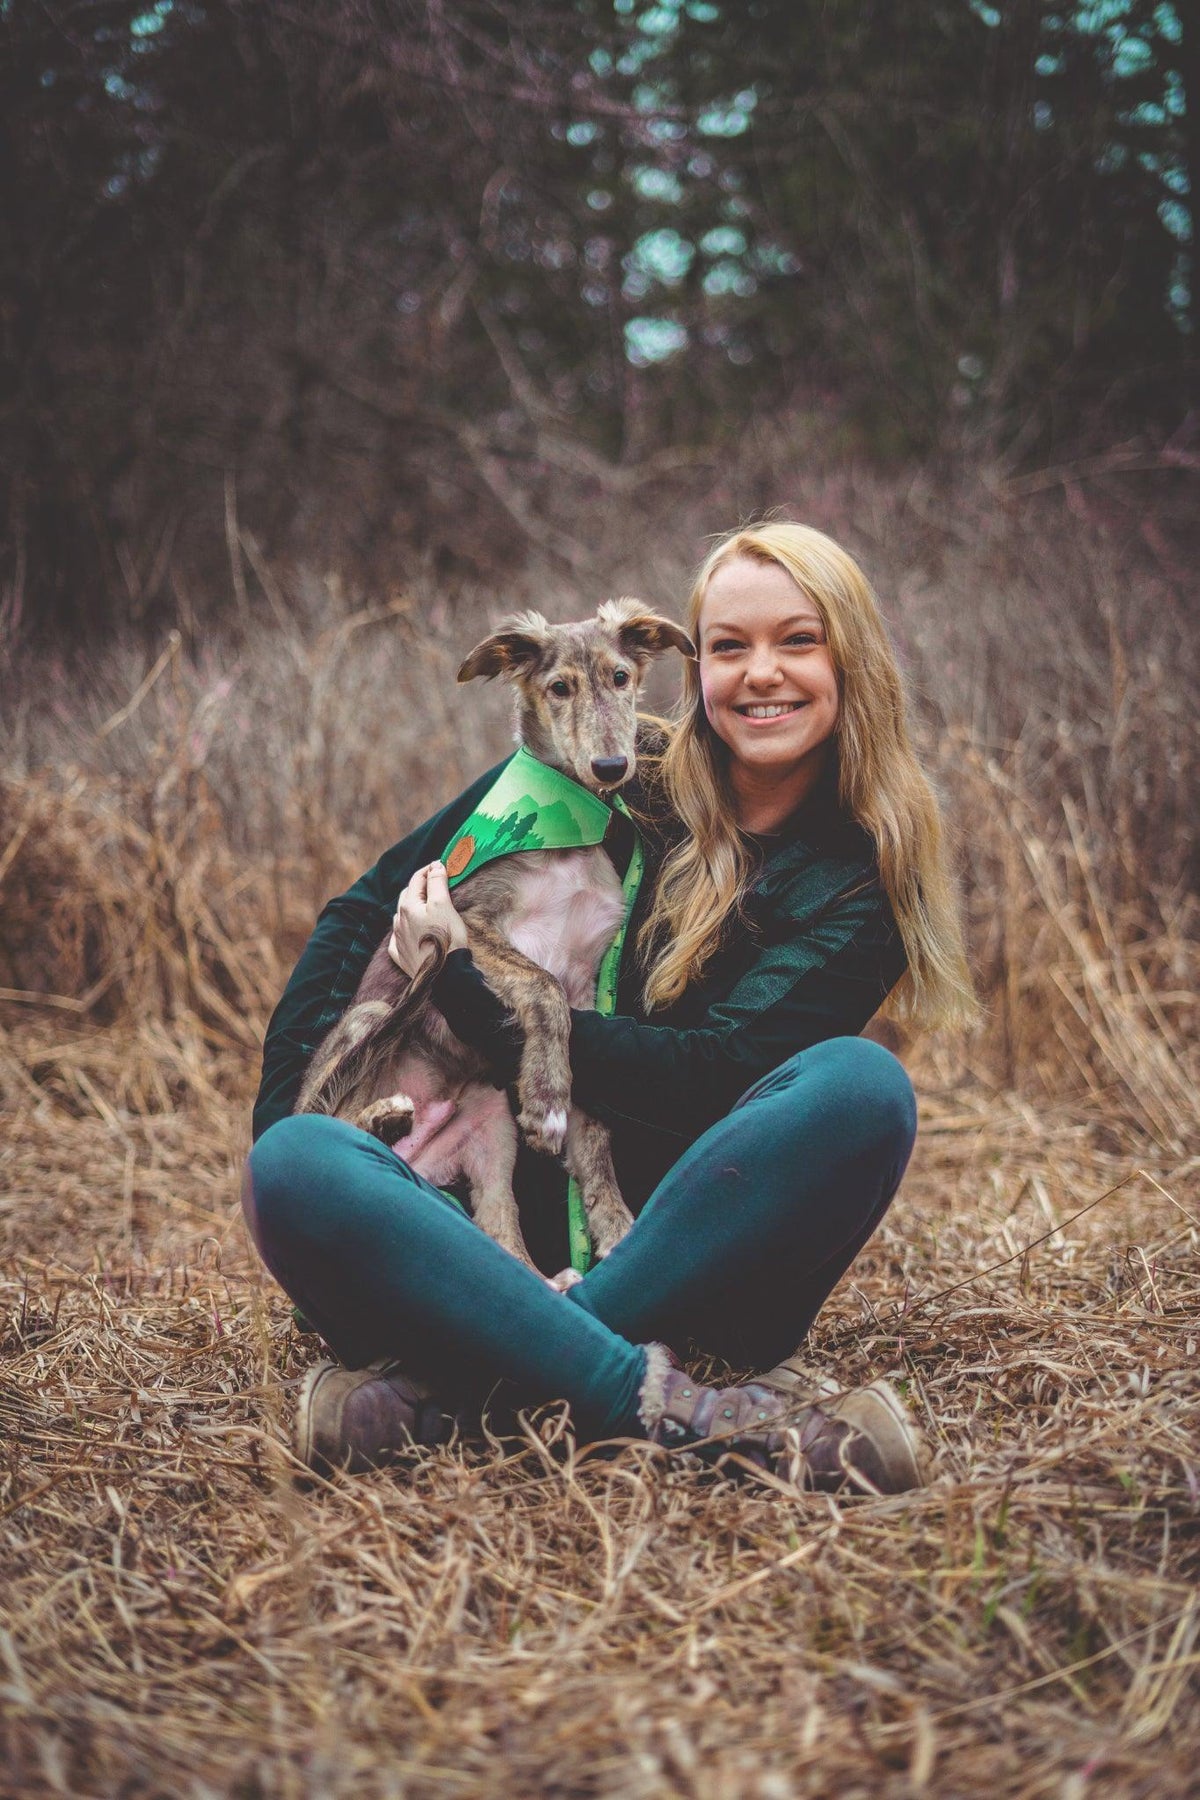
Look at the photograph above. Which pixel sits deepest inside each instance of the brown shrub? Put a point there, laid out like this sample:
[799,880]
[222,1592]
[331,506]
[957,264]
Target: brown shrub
[177,1617]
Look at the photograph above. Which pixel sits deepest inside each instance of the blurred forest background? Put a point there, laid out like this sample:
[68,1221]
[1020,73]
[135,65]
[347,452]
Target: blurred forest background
[329,331]
[360,279]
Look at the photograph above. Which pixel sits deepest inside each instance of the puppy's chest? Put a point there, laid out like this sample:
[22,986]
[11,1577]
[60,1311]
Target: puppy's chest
[567,905]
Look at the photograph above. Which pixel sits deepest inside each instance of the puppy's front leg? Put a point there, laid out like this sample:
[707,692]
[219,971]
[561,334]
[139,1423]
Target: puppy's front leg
[589,1158]
[544,1082]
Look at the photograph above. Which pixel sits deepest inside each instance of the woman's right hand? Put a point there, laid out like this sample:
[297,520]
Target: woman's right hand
[424,913]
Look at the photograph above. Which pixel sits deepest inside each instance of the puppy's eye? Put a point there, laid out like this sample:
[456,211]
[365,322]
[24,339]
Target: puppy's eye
[560,689]
[620,677]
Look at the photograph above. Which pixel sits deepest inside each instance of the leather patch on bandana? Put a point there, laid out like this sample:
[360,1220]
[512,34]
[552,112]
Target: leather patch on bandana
[460,856]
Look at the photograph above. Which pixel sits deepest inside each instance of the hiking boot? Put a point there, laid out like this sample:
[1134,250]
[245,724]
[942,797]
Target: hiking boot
[880,1448]
[356,1419]
[861,1440]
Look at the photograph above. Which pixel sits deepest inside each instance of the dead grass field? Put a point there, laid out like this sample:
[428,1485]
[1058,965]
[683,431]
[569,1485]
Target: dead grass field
[180,1616]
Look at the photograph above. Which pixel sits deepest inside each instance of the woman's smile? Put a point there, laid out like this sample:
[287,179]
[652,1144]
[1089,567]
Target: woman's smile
[763,715]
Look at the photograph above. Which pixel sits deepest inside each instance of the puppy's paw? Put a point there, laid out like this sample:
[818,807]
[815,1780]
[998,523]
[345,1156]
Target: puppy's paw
[544,1128]
[608,1223]
[388,1120]
[566,1278]
[544,1101]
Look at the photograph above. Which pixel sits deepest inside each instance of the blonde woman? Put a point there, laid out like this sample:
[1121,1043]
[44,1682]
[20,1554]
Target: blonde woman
[796,883]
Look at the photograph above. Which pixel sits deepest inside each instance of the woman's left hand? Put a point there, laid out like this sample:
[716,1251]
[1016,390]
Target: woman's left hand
[424,912]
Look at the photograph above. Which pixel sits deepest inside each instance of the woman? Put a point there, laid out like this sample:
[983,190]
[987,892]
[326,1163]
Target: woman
[794,881]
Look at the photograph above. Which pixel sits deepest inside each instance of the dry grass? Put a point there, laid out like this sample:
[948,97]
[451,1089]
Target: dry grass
[179,1617]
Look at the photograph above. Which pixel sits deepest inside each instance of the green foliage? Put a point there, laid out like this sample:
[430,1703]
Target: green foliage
[942,214]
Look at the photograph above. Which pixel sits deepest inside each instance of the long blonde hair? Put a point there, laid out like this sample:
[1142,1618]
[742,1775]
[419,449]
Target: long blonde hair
[704,879]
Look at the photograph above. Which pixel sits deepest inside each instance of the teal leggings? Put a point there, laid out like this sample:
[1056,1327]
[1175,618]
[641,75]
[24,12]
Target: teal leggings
[735,1250]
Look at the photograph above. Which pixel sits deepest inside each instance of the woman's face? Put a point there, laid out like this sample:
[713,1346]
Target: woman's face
[766,672]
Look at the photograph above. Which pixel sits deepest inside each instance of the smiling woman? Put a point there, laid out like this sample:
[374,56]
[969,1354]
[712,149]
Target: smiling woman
[794,881]
[795,709]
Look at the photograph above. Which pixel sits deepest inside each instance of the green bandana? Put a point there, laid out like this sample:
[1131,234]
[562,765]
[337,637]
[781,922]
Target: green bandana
[531,806]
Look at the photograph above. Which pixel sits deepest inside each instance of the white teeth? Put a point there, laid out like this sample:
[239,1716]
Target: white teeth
[768,712]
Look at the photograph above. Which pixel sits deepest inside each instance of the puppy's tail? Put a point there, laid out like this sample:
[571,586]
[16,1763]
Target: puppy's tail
[369,1032]
[418,990]
[392,1026]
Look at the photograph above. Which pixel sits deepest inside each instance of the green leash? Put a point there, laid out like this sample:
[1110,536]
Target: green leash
[531,806]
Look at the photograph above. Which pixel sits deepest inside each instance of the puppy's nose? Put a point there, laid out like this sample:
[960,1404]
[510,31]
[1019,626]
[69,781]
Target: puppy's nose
[609,770]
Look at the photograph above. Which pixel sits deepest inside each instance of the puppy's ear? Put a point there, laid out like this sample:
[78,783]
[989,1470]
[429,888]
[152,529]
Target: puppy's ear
[642,633]
[515,647]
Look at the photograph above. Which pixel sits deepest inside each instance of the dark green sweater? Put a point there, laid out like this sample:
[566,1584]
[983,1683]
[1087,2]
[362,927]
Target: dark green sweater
[815,954]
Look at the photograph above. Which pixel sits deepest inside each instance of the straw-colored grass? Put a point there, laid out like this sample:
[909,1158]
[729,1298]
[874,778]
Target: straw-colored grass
[180,1615]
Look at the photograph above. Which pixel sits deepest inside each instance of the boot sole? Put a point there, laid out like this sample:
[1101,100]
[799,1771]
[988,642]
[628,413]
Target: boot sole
[302,1429]
[881,1415]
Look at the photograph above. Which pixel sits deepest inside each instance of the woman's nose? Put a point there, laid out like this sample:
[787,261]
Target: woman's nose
[762,668]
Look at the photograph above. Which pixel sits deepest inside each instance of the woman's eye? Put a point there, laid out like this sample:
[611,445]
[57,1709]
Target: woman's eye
[803,637]
[620,677]
[720,645]
[560,689]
